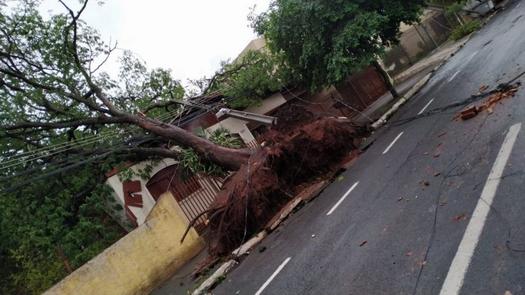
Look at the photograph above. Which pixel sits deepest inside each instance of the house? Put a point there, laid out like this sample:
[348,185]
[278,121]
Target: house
[194,193]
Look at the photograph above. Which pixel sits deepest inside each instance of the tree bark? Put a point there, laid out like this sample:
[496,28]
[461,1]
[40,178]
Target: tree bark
[231,159]
[386,78]
[228,158]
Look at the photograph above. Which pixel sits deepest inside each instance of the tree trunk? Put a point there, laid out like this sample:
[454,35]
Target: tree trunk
[386,78]
[459,19]
[228,158]
[62,256]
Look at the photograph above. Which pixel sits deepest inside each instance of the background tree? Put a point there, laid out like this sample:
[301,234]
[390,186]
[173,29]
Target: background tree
[64,123]
[251,78]
[323,42]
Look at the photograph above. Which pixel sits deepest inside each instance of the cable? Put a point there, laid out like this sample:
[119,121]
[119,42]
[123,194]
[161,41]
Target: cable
[105,133]
[19,161]
[449,168]
[52,146]
[474,98]
[69,164]
[57,171]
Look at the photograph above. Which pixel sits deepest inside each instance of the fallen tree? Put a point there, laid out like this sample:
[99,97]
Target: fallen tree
[270,177]
[64,123]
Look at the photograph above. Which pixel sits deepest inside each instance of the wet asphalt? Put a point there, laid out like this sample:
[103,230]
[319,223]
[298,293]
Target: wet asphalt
[398,231]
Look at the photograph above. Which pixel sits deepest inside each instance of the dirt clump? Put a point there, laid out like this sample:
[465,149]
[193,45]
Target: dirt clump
[268,181]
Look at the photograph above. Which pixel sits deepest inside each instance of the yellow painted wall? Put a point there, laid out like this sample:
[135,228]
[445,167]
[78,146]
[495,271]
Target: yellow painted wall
[141,260]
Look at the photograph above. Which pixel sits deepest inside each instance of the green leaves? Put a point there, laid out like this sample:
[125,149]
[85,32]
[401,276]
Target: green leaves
[191,161]
[323,42]
[251,78]
[45,217]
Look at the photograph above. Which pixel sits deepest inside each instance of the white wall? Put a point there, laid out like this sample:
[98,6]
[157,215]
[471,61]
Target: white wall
[147,200]
[238,126]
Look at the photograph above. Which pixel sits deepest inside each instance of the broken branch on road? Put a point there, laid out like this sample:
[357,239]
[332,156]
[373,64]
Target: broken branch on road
[509,87]
[489,104]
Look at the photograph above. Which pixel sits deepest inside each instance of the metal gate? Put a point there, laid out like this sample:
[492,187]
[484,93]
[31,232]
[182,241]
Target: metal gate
[194,193]
[363,89]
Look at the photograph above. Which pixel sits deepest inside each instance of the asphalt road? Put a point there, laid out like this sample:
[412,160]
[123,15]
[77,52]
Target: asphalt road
[435,205]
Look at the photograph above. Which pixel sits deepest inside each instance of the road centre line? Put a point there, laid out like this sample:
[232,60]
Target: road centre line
[466,62]
[275,273]
[342,199]
[425,108]
[392,144]
[454,76]
[471,57]
[460,264]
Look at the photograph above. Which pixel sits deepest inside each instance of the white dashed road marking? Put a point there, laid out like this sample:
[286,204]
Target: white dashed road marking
[471,57]
[454,76]
[342,199]
[460,264]
[275,273]
[392,144]
[426,106]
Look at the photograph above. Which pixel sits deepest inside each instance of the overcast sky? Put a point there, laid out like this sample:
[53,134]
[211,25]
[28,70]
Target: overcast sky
[190,37]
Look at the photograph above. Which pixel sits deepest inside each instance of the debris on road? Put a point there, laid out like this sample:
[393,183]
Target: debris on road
[461,217]
[438,151]
[469,113]
[363,243]
[483,88]
[489,104]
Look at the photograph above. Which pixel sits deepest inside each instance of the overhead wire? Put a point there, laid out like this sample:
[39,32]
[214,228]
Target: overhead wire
[84,139]
[17,162]
[54,165]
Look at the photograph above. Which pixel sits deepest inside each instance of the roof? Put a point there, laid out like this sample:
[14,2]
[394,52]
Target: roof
[202,105]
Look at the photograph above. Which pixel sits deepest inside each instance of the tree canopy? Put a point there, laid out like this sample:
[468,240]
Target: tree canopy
[323,42]
[64,124]
[250,78]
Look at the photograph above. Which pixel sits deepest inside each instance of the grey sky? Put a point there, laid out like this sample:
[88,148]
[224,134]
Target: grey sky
[190,37]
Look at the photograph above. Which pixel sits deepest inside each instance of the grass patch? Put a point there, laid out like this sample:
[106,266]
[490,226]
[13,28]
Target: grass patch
[465,29]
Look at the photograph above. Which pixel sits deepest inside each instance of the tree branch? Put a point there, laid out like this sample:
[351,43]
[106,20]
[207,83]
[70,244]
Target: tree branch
[69,123]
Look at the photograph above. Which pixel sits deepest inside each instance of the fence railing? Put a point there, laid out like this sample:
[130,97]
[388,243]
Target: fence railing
[205,190]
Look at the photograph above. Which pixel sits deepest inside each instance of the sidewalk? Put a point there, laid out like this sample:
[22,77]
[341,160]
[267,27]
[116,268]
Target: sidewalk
[183,282]
[431,61]
[407,79]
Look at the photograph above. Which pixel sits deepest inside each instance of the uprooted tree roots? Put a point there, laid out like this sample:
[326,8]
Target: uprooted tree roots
[252,195]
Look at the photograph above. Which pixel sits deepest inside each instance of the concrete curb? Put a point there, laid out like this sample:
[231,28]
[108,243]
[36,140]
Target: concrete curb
[245,248]
[215,277]
[382,121]
[416,88]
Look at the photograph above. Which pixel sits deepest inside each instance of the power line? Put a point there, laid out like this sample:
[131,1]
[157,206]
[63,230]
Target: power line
[87,138]
[36,155]
[52,146]
[57,171]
